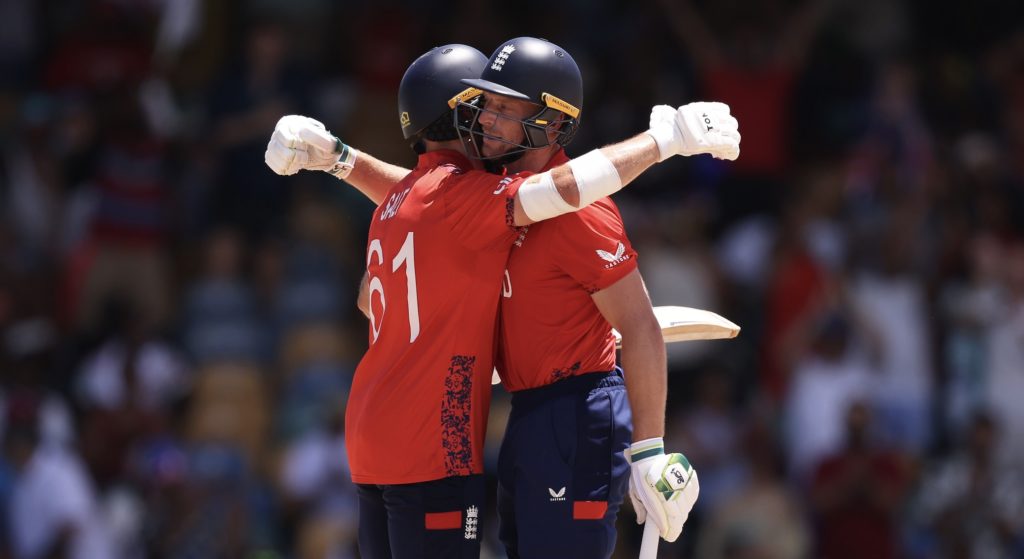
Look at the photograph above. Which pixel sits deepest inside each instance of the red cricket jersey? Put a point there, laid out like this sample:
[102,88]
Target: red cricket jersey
[550,327]
[436,254]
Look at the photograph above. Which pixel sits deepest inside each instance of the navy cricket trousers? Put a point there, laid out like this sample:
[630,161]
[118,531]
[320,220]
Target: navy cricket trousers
[562,472]
[430,520]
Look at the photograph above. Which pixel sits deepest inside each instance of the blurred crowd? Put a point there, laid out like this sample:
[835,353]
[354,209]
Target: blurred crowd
[178,329]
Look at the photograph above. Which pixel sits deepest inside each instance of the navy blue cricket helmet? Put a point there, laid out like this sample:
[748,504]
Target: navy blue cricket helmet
[537,71]
[431,89]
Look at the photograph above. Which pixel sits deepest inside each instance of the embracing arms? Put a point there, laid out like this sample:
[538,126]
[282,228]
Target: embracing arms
[299,142]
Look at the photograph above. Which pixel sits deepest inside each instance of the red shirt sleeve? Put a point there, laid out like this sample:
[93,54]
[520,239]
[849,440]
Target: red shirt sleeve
[478,207]
[592,246]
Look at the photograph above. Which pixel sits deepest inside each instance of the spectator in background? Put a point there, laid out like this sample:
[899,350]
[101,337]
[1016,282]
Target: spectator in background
[315,479]
[857,494]
[221,315]
[971,307]
[679,270]
[829,375]
[126,389]
[26,357]
[751,64]
[32,198]
[890,298]
[711,431]
[799,285]
[763,518]
[1005,375]
[206,516]
[130,225]
[260,86]
[52,510]
[970,504]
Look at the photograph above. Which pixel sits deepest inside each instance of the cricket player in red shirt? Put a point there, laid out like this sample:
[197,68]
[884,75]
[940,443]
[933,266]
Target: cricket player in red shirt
[402,382]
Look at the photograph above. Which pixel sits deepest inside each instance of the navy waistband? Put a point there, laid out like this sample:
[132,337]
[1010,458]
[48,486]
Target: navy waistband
[578,384]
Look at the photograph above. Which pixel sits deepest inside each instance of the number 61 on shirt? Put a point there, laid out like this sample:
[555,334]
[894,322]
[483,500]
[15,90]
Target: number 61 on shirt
[406,255]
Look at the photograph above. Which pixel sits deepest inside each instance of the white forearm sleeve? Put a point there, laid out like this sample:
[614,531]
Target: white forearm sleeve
[540,198]
[595,176]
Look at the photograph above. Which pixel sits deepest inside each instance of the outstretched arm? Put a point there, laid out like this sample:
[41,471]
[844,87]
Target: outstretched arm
[300,142]
[688,130]
[373,177]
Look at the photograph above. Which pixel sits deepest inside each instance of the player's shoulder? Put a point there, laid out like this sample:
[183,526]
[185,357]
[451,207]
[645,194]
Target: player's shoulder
[443,178]
[453,168]
[602,212]
[598,220]
[449,169]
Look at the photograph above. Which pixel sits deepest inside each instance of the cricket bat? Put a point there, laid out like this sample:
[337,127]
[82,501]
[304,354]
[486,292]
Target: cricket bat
[684,324]
[681,324]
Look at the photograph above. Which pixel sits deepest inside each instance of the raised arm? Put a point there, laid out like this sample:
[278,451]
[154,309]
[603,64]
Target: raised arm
[373,177]
[299,142]
[688,130]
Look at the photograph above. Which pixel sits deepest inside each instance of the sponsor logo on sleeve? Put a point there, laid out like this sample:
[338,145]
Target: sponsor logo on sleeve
[615,259]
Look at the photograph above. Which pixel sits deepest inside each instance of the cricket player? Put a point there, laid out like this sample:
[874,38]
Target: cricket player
[398,374]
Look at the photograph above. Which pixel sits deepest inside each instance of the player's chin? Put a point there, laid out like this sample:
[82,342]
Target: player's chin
[493,148]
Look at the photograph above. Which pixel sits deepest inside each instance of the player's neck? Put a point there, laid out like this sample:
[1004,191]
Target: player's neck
[451,145]
[454,145]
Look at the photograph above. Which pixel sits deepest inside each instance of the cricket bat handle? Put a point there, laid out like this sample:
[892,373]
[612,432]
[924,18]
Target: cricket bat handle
[649,543]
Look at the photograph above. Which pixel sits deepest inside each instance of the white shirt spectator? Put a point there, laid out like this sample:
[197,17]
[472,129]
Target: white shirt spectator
[1006,381]
[162,376]
[819,397]
[680,276]
[896,311]
[316,470]
[53,494]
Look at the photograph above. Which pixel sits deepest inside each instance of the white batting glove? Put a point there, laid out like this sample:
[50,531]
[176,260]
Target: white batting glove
[695,128]
[663,487]
[300,142]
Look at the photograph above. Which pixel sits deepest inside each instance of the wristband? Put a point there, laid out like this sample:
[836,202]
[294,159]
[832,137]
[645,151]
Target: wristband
[664,136]
[345,162]
[541,200]
[646,449]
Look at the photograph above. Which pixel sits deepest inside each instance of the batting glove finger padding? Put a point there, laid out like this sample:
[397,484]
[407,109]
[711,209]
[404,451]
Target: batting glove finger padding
[299,142]
[666,486]
[282,159]
[702,127]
